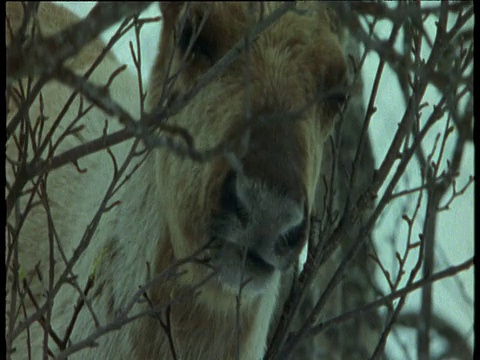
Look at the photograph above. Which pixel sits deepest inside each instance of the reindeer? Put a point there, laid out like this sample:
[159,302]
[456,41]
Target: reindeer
[207,242]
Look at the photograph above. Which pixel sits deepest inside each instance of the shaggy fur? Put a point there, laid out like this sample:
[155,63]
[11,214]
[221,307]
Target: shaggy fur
[168,206]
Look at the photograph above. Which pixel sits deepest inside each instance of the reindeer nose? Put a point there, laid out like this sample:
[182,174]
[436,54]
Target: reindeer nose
[276,155]
[271,226]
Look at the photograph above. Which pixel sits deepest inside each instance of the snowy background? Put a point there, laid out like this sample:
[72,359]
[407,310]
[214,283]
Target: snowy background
[453,297]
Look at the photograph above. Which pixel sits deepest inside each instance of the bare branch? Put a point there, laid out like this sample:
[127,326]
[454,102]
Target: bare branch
[47,53]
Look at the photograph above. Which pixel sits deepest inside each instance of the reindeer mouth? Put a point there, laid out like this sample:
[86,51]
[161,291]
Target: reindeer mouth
[238,267]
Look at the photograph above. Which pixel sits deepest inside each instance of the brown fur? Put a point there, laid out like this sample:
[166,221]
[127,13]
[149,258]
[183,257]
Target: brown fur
[167,207]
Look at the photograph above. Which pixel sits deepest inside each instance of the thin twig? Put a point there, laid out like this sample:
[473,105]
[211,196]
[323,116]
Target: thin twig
[388,299]
[47,53]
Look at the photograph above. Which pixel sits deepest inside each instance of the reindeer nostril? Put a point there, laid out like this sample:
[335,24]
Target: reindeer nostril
[294,239]
[295,236]
[230,202]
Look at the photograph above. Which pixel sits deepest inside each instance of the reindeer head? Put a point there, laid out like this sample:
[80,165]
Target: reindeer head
[274,101]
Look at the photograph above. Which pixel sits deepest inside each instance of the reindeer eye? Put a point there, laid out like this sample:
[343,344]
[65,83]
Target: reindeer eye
[338,99]
[196,45]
